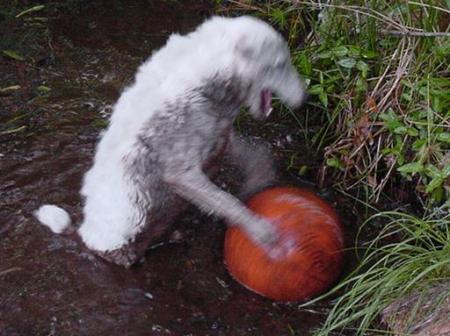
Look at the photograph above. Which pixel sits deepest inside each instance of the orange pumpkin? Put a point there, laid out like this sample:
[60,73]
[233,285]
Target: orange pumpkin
[313,265]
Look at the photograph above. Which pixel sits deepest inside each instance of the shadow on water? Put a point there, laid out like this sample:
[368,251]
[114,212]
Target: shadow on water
[49,284]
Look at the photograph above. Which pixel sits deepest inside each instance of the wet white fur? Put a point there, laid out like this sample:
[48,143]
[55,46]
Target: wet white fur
[55,218]
[110,220]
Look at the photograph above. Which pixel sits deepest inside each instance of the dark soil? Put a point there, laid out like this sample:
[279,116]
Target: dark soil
[50,284]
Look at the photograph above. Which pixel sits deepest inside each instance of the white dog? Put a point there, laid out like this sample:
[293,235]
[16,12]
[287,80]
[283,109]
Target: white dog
[172,128]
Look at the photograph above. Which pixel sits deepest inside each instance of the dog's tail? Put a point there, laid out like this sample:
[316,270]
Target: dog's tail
[56,218]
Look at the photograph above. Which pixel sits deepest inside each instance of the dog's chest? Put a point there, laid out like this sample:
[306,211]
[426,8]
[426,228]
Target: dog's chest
[214,151]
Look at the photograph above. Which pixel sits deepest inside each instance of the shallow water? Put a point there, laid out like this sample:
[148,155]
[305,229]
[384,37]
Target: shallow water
[50,284]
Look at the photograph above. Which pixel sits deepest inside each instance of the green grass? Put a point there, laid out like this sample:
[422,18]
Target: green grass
[378,73]
[409,256]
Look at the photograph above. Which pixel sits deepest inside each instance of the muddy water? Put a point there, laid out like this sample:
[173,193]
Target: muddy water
[50,284]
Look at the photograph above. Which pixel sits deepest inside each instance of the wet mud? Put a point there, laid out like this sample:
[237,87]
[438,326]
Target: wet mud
[52,285]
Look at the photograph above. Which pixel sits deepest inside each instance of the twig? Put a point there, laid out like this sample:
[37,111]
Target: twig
[415,33]
[404,61]
[430,6]
[12,131]
[246,6]
[357,9]
[381,79]
[9,270]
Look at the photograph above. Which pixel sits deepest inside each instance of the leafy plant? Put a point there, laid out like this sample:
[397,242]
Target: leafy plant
[410,255]
[378,71]
[379,113]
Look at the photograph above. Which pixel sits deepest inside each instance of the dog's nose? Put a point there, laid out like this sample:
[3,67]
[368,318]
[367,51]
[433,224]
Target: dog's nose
[297,94]
[293,89]
[301,99]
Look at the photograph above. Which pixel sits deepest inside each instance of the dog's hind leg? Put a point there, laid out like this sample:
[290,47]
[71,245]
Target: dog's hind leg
[153,232]
[115,211]
[255,161]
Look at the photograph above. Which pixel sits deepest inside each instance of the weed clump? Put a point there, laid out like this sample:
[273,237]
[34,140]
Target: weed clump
[379,72]
[402,281]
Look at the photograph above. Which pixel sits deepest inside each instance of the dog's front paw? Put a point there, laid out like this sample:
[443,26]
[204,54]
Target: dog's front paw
[282,247]
[278,244]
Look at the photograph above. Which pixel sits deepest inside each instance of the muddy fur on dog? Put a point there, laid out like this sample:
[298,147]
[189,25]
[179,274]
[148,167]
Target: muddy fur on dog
[172,128]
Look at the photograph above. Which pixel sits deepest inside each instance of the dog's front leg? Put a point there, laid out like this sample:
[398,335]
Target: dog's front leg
[256,163]
[193,185]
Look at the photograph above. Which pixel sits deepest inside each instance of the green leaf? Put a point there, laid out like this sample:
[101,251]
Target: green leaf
[443,137]
[303,63]
[43,89]
[434,183]
[13,55]
[411,168]
[400,130]
[433,172]
[436,103]
[406,96]
[315,89]
[339,51]
[302,170]
[354,51]
[324,55]
[419,144]
[446,171]
[100,123]
[394,124]
[363,67]
[30,10]
[336,163]
[442,50]
[423,90]
[331,88]
[387,116]
[348,63]
[437,194]
[361,85]
[369,54]
[323,97]
[412,131]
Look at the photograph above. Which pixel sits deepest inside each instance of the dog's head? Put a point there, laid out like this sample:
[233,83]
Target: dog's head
[257,57]
[263,64]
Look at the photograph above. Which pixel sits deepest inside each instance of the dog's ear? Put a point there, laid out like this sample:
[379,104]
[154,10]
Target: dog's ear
[252,48]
